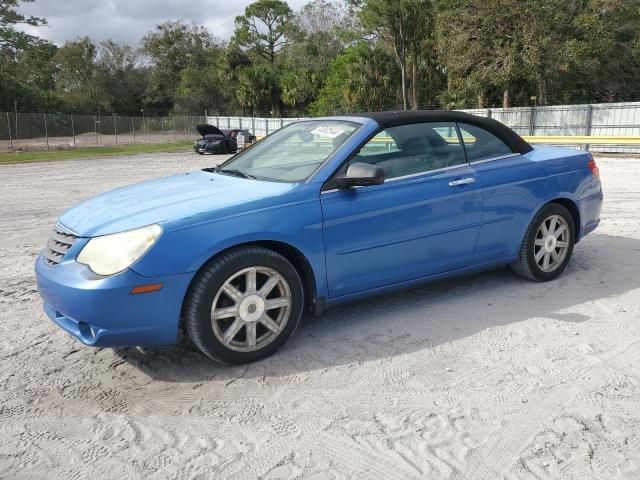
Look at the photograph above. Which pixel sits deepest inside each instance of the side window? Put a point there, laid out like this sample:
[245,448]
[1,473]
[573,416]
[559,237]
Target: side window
[481,144]
[380,144]
[413,149]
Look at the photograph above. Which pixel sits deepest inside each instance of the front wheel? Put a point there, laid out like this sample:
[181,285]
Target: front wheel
[547,246]
[244,305]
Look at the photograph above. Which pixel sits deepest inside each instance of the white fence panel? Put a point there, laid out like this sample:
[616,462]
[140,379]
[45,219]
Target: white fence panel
[615,119]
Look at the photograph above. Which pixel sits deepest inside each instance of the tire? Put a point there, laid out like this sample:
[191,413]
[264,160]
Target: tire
[212,293]
[539,249]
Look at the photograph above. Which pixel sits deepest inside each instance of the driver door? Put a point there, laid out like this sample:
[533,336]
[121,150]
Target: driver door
[424,220]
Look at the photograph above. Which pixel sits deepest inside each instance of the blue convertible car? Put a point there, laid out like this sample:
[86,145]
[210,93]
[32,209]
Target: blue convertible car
[322,211]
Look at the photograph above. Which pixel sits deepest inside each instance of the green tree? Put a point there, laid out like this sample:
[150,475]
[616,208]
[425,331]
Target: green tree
[119,70]
[26,70]
[263,28]
[321,31]
[547,48]
[362,78]
[403,24]
[585,53]
[481,44]
[255,83]
[12,40]
[77,77]
[421,47]
[298,87]
[172,48]
[204,88]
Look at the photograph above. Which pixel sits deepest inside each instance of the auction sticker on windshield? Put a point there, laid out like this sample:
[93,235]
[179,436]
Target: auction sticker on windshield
[331,132]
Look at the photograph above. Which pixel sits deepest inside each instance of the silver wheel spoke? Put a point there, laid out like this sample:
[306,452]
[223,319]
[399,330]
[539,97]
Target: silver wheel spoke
[268,286]
[251,281]
[543,229]
[232,292]
[539,242]
[546,261]
[552,226]
[251,334]
[276,303]
[562,244]
[561,229]
[556,258]
[228,312]
[269,323]
[539,255]
[233,329]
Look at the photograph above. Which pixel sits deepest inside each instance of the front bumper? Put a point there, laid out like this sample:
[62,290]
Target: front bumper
[208,148]
[101,312]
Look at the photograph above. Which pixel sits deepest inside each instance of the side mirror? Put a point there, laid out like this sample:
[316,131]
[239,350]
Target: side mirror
[361,175]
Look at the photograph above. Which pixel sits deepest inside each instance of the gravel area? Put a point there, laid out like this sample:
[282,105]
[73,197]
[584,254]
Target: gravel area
[483,377]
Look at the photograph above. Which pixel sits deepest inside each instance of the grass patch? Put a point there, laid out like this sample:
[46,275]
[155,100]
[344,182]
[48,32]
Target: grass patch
[54,155]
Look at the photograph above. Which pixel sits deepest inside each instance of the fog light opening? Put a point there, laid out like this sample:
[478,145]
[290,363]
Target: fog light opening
[86,330]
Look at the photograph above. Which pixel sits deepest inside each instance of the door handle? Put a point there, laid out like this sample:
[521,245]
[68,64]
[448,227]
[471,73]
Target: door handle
[462,181]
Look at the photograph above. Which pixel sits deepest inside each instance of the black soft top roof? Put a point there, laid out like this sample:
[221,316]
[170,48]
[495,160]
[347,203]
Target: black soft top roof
[405,117]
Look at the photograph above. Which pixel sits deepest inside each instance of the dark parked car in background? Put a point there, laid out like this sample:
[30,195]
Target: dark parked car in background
[215,141]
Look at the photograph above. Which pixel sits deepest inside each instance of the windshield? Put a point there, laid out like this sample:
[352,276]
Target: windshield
[292,153]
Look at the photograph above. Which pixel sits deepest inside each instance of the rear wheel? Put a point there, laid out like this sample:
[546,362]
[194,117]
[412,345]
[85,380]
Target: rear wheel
[547,246]
[244,305]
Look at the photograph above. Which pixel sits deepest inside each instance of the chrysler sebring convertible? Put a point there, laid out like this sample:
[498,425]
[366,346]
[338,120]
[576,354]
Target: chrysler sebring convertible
[319,212]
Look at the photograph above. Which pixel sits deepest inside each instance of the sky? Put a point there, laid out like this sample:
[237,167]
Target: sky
[129,20]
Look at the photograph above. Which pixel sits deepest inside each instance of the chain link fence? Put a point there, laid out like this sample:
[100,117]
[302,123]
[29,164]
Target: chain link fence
[51,131]
[38,131]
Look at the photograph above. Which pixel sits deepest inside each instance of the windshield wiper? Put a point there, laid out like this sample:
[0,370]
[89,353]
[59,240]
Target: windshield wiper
[236,173]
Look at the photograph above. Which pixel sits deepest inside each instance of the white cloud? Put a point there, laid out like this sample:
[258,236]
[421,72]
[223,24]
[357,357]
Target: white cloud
[129,20]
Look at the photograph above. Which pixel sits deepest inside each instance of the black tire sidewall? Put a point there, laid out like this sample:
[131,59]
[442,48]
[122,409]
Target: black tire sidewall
[546,212]
[211,278]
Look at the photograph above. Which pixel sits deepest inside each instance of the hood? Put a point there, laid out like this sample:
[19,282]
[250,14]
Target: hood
[205,129]
[185,197]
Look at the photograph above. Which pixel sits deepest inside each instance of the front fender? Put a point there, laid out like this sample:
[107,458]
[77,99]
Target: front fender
[188,248]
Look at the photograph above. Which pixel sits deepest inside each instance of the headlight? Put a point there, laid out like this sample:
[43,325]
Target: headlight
[114,253]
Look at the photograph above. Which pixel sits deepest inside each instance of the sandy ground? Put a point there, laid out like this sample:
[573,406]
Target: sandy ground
[484,377]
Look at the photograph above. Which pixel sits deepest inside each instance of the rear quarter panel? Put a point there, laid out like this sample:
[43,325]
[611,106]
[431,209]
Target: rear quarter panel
[570,178]
[516,188]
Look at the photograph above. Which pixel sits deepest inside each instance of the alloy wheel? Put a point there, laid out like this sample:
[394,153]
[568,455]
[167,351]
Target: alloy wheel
[551,243]
[251,309]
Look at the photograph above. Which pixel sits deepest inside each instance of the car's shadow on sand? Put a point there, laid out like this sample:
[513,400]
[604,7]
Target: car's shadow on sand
[419,318]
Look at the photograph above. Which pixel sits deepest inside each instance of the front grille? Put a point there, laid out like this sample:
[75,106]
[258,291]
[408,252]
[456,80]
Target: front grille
[60,242]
